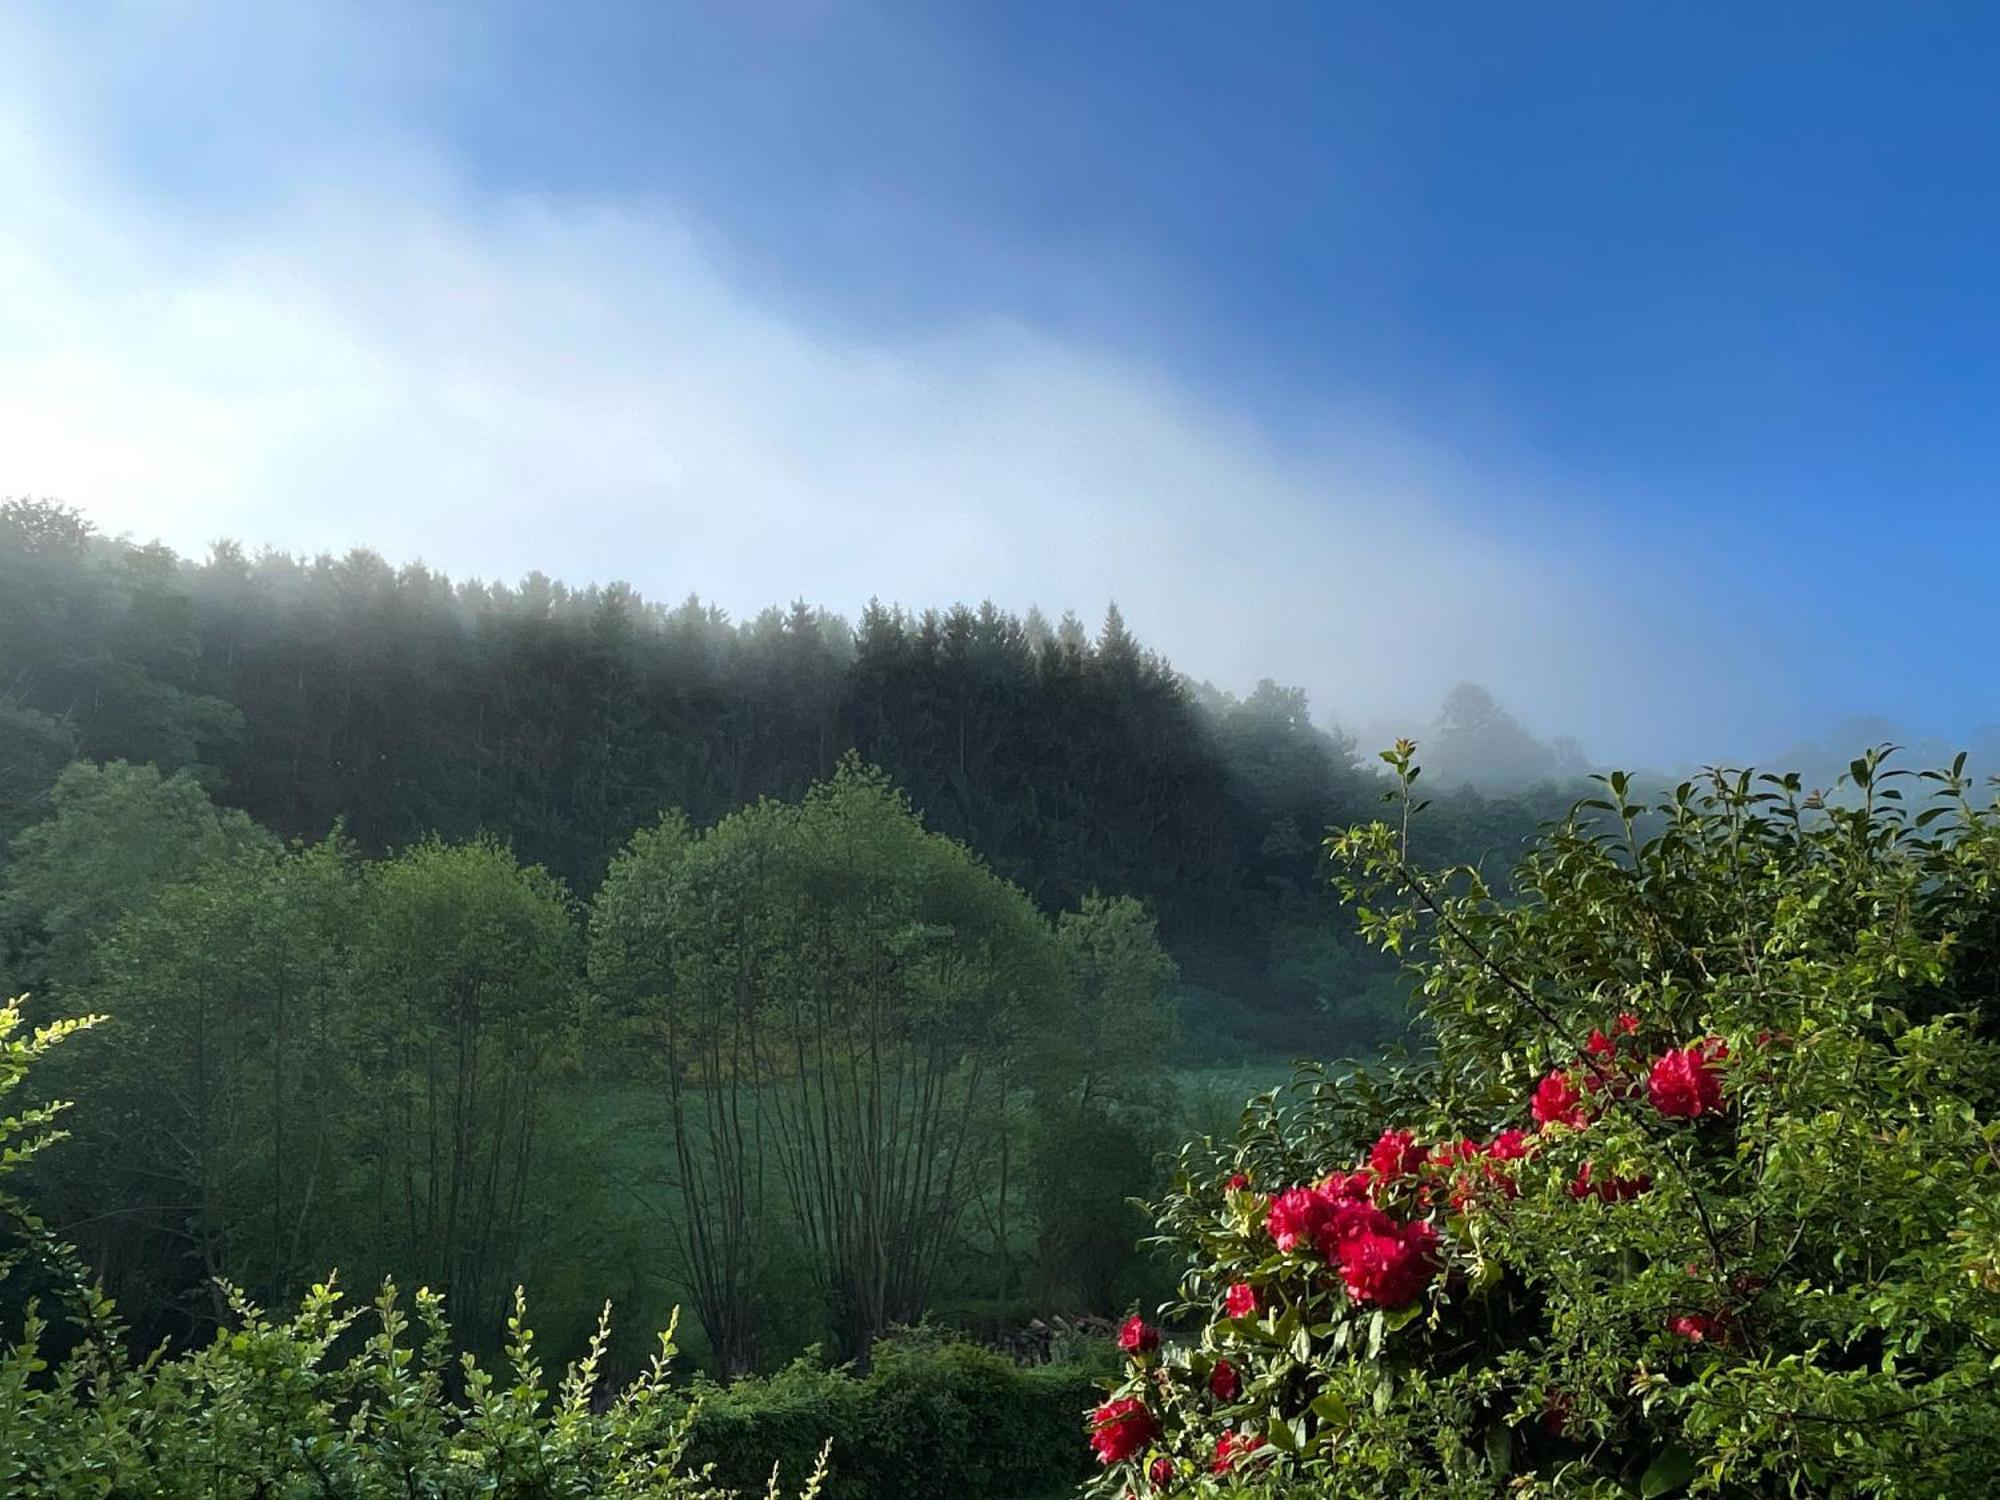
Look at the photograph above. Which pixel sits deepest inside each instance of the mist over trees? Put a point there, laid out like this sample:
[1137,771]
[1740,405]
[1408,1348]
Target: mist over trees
[397,704]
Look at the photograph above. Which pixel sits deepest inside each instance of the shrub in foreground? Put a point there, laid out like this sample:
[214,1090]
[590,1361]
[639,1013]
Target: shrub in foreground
[322,1403]
[928,1420]
[1698,1193]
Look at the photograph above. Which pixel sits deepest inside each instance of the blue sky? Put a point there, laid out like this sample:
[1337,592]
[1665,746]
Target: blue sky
[1641,362]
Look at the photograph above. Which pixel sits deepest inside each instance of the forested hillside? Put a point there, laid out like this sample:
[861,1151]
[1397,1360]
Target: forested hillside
[399,704]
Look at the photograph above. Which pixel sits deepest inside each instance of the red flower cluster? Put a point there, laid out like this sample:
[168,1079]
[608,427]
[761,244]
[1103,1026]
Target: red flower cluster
[1558,1101]
[1390,1264]
[1138,1337]
[1395,1155]
[1298,1216]
[1120,1429]
[1374,1224]
[1383,1263]
[1683,1081]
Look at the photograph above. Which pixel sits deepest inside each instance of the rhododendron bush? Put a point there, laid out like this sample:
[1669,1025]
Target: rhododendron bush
[1694,1189]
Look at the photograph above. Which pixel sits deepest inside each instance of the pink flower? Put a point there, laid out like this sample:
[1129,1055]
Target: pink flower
[1161,1473]
[1322,1217]
[1600,1045]
[1348,1218]
[1696,1328]
[1240,1301]
[1350,1187]
[1296,1216]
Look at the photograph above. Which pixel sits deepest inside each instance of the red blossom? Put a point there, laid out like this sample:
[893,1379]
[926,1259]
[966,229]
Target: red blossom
[1138,1337]
[1683,1082]
[1223,1382]
[1628,1023]
[1237,1183]
[1696,1328]
[1161,1473]
[1509,1145]
[1240,1301]
[1295,1217]
[1387,1264]
[1557,1101]
[1350,1187]
[1450,1153]
[1322,1217]
[1121,1429]
[1607,1189]
[1600,1045]
[1231,1448]
[1396,1154]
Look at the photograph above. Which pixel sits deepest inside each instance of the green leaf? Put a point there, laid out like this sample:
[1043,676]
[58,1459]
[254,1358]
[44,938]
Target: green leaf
[1669,1472]
[1500,1449]
[1330,1407]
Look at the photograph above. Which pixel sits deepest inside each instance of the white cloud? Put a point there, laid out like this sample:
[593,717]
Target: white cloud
[497,384]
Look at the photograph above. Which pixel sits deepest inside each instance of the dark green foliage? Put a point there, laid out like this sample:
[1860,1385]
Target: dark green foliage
[929,1419]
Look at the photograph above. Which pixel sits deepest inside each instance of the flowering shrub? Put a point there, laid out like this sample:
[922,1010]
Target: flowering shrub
[1696,1191]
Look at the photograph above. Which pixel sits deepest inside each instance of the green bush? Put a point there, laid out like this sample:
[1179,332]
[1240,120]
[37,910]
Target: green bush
[323,1403]
[928,1420]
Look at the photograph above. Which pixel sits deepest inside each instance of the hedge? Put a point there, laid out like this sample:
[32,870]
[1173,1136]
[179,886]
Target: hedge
[927,1420]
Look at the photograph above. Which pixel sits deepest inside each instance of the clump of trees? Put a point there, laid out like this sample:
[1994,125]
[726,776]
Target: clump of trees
[855,1021]
[1698,1194]
[834,1034]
